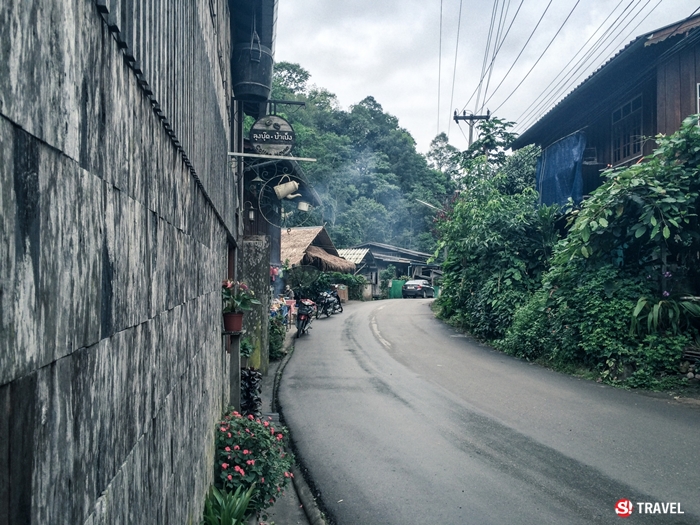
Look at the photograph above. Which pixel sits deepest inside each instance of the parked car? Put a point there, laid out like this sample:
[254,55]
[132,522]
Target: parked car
[417,288]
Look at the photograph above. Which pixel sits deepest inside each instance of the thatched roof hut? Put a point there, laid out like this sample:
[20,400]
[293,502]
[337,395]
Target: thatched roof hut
[312,246]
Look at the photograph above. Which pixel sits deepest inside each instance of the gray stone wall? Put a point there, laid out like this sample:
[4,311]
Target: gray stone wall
[116,209]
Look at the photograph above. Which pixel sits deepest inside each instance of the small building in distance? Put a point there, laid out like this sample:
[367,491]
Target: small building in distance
[373,257]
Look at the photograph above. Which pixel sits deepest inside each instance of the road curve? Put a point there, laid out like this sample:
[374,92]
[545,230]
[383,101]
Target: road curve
[401,420]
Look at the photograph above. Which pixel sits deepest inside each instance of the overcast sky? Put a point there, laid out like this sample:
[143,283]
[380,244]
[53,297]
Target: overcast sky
[390,49]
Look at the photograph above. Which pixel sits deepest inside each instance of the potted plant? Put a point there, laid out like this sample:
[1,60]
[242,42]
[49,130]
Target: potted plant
[237,298]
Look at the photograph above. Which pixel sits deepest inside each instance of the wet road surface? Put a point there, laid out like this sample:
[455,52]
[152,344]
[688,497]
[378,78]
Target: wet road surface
[402,420]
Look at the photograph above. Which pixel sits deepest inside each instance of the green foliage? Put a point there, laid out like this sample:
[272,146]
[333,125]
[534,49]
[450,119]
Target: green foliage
[326,279]
[499,244]
[621,295]
[250,453]
[276,333]
[246,348]
[368,172]
[385,278]
[225,508]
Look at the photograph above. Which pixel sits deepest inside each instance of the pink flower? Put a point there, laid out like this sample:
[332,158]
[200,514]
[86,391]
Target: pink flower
[228,449]
[230,477]
[250,462]
[236,447]
[224,466]
[266,423]
[251,417]
[246,452]
[279,437]
[223,429]
[286,474]
[241,472]
[262,480]
[229,434]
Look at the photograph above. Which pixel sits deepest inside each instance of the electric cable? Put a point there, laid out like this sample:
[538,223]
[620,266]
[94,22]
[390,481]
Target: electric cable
[454,71]
[552,92]
[497,51]
[439,72]
[549,89]
[486,53]
[521,51]
[593,112]
[530,120]
[667,53]
[504,14]
[540,57]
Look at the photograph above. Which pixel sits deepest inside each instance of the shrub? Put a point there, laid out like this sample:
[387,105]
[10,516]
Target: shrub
[277,332]
[249,452]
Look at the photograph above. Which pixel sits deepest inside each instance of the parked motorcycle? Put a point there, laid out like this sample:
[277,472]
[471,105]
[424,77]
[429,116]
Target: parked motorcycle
[328,303]
[305,310]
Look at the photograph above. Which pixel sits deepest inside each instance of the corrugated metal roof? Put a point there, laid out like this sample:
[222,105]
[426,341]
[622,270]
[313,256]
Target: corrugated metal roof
[354,255]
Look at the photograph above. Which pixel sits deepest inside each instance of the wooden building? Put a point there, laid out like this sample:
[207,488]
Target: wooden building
[611,118]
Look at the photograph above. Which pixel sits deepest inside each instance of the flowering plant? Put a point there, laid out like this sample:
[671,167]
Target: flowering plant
[237,296]
[251,451]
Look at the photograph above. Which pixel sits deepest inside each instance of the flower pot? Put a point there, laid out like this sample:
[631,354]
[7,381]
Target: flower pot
[233,322]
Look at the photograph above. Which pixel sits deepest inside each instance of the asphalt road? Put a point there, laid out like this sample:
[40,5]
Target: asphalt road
[402,420]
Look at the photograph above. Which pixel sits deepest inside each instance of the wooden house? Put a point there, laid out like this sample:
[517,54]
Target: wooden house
[611,118]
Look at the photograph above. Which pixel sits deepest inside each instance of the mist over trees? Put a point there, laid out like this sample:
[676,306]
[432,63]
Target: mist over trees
[368,172]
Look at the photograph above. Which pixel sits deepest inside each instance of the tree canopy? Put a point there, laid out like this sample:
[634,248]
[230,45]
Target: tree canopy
[368,172]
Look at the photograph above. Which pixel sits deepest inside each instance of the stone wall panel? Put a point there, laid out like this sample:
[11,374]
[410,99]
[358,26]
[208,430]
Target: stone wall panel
[10,357]
[54,444]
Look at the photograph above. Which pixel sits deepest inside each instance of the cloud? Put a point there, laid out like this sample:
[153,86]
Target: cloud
[389,49]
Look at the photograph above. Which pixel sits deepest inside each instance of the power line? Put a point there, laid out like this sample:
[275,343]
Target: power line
[486,53]
[439,72]
[540,57]
[565,80]
[593,112]
[571,80]
[501,23]
[454,71]
[497,51]
[521,51]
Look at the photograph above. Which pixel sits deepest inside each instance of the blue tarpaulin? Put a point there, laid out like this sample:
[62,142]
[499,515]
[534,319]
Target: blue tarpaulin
[559,170]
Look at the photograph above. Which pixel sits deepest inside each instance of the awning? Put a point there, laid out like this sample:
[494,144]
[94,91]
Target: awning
[326,262]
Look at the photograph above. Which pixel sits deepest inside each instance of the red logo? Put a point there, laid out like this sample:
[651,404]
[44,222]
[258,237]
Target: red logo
[624,508]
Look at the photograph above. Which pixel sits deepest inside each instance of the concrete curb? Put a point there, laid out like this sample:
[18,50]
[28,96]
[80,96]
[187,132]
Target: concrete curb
[313,513]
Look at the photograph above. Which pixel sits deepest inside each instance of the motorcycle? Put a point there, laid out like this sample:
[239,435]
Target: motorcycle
[305,309]
[328,303]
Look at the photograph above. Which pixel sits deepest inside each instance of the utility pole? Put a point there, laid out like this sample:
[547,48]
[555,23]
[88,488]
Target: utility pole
[471,119]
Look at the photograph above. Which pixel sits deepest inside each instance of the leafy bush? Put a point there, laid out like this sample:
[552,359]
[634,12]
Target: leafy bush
[251,452]
[385,278]
[277,332]
[224,508]
[499,247]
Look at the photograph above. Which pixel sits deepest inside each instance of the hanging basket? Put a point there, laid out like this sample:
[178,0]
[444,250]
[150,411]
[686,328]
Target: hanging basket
[233,322]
